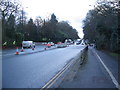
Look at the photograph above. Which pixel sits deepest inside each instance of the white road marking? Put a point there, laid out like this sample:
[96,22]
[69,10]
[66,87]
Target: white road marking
[109,72]
[8,54]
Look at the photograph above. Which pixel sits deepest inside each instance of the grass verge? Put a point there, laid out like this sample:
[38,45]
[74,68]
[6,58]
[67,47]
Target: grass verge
[115,55]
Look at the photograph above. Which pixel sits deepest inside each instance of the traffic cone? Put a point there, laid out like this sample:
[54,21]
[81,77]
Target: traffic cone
[44,48]
[17,52]
[32,48]
[22,50]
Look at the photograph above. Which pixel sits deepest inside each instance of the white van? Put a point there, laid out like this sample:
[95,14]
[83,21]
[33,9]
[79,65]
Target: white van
[28,44]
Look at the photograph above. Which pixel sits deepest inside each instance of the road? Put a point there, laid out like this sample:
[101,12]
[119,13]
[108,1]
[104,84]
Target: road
[36,69]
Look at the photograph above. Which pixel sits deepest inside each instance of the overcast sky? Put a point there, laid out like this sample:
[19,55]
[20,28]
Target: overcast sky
[73,11]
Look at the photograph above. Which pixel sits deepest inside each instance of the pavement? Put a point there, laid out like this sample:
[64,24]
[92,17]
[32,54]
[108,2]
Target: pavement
[92,73]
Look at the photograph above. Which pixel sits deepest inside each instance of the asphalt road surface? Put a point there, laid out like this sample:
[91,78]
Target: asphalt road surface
[36,69]
[99,71]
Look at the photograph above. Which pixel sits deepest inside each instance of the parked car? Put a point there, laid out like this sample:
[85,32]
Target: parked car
[28,44]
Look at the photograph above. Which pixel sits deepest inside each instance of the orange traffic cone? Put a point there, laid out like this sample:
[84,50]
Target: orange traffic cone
[17,52]
[44,48]
[32,48]
[22,50]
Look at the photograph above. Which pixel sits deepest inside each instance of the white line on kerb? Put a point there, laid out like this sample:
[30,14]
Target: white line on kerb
[8,54]
[109,72]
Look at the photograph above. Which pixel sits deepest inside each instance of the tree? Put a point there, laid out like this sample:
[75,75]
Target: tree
[55,31]
[49,28]
[10,27]
[66,31]
[8,10]
[101,26]
[53,19]
[39,21]
[21,21]
[31,31]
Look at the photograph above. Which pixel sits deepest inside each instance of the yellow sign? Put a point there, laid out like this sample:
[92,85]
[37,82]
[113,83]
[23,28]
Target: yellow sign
[14,43]
[5,43]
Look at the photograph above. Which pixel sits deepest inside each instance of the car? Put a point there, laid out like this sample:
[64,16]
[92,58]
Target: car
[61,45]
[77,43]
[28,44]
[52,44]
[92,45]
[44,43]
[68,41]
[49,44]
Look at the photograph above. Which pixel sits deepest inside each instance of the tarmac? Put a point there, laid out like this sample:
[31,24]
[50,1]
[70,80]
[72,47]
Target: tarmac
[90,74]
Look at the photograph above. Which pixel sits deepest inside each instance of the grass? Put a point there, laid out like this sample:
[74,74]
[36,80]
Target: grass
[116,55]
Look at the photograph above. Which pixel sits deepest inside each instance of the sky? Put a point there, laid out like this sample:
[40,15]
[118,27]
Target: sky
[73,11]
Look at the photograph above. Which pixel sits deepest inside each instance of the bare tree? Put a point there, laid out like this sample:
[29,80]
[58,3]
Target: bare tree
[7,9]
[39,21]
